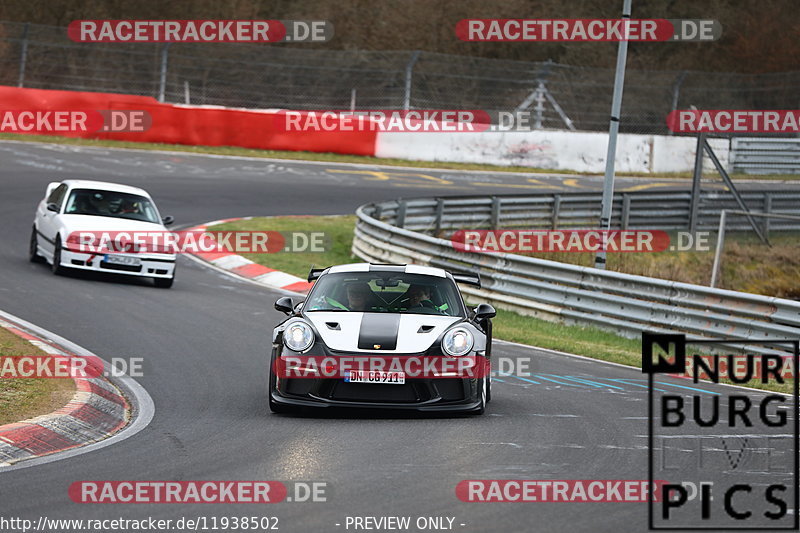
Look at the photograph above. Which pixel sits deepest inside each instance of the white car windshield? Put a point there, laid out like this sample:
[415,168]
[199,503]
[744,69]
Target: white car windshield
[111,204]
[385,292]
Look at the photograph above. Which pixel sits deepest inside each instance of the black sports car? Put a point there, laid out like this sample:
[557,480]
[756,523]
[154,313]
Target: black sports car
[383,336]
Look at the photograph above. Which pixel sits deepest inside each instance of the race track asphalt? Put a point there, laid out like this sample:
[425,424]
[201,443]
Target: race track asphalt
[206,342]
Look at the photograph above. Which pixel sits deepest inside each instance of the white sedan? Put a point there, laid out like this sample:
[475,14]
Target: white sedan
[74,207]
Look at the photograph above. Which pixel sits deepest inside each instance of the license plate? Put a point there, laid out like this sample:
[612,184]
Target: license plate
[122,260]
[365,376]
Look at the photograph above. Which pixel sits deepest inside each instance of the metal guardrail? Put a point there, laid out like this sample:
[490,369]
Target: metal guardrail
[633,210]
[625,303]
[764,155]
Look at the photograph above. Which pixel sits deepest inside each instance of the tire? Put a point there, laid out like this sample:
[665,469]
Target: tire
[483,395]
[33,251]
[56,267]
[164,283]
[274,406]
[489,388]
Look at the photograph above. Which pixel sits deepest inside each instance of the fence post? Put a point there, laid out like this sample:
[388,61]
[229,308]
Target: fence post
[23,55]
[409,71]
[162,84]
[556,210]
[186,99]
[676,92]
[626,210]
[495,212]
[401,213]
[439,214]
[767,210]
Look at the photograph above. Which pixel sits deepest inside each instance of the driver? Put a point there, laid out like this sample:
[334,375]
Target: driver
[358,297]
[419,296]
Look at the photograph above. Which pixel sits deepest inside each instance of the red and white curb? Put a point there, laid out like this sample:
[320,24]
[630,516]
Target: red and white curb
[96,411]
[245,268]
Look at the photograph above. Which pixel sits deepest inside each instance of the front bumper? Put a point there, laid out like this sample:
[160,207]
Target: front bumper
[151,265]
[461,395]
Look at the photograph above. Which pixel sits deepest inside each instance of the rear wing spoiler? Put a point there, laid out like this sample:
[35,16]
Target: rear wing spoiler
[467,278]
[315,273]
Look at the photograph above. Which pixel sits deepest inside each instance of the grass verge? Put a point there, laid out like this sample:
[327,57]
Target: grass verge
[21,399]
[586,341]
[357,159]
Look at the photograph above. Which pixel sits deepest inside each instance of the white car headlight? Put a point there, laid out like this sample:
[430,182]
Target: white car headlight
[298,336]
[458,341]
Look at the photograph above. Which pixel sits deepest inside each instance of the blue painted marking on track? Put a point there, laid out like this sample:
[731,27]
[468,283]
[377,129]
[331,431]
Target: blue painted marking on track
[523,379]
[688,388]
[594,383]
[620,380]
[559,382]
[668,385]
[526,379]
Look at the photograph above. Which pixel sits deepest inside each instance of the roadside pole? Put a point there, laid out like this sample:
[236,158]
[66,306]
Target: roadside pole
[613,131]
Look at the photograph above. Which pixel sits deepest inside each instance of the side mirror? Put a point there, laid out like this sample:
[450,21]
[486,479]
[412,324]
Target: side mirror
[167,220]
[52,207]
[484,311]
[285,305]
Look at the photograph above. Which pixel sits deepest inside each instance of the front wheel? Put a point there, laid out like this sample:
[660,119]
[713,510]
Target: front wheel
[33,248]
[483,389]
[164,283]
[274,406]
[56,267]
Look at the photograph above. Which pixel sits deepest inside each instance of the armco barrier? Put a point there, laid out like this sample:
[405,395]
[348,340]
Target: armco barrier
[668,210]
[624,303]
[191,125]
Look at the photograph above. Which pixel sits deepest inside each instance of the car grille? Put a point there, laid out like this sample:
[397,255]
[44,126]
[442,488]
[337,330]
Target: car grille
[373,392]
[115,266]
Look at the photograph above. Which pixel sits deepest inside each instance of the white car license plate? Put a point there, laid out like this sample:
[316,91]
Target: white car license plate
[122,260]
[366,376]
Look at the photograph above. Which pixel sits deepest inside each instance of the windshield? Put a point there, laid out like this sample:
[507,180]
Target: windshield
[111,204]
[385,292]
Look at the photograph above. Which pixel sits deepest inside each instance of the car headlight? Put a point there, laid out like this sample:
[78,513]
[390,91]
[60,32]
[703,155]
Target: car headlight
[458,341]
[298,336]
